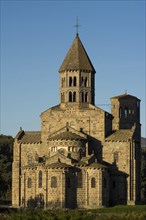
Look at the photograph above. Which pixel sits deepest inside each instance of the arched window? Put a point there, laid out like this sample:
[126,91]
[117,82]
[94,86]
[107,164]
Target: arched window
[75,81]
[40,179]
[79,179]
[73,149]
[82,81]
[85,81]
[70,81]
[74,97]
[82,97]
[70,96]
[116,156]
[93,182]
[29,183]
[53,182]
[125,112]
[86,97]
[120,112]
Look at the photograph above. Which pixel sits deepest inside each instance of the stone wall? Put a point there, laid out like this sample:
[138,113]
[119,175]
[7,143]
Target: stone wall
[91,121]
[125,161]
[66,192]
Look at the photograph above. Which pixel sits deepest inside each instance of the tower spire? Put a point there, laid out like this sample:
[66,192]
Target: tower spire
[77,26]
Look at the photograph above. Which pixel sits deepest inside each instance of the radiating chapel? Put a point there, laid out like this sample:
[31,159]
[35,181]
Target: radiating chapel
[83,157]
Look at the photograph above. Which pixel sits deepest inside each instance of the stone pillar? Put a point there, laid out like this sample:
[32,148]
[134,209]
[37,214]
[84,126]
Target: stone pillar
[87,149]
[87,189]
[63,189]
[46,202]
[100,187]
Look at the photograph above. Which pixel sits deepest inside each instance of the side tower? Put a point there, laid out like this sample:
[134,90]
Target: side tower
[126,111]
[77,76]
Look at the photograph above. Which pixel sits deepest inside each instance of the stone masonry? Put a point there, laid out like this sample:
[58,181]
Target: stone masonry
[83,157]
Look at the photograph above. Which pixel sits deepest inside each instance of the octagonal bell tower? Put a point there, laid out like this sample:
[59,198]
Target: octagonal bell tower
[77,77]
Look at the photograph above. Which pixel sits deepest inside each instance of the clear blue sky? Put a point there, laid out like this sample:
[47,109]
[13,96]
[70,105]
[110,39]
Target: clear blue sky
[35,37]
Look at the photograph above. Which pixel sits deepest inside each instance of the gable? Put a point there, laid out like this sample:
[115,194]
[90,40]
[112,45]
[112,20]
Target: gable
[67,132]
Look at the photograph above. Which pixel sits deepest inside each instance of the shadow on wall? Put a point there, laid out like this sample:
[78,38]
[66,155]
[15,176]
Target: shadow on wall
[37,202]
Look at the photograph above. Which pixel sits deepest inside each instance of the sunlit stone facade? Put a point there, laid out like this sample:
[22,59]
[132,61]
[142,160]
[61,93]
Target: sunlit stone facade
[83,157]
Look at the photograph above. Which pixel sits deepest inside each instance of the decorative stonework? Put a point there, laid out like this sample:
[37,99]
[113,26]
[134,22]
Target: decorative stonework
[83,156]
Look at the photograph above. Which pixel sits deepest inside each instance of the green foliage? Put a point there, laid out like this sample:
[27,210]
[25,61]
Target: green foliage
[118,212]
[6,146]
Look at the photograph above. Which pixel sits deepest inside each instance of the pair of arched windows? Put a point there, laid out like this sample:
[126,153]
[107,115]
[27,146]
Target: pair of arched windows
[29,181]
[123,112]
[72,96]
[72,81]
[72,149]
[84,81]
[40,178]
[84,97]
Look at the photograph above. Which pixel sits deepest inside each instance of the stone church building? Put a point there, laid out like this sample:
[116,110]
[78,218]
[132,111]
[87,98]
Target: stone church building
[83,157]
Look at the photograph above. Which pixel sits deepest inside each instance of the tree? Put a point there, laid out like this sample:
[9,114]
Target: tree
[6,155]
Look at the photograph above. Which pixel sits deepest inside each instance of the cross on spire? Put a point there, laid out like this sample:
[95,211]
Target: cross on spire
[77,26]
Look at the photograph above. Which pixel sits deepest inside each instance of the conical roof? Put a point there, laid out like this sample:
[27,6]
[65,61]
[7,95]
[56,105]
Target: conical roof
[77,58]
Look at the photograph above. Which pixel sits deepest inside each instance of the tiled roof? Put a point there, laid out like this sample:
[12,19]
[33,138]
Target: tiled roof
[97,165]
[66,135]
[31,137]
[125,96]
[80,163]
[77,58]
[120,135]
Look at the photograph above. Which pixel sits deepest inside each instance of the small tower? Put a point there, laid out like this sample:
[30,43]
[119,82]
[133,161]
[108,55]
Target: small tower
[77,76]
[126,111]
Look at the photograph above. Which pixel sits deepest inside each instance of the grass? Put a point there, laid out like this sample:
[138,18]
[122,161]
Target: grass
[113,213]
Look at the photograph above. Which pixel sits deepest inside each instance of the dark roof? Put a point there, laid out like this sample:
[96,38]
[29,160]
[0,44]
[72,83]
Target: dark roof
[66,135]
[77,58]
[124,96]
[120,135]
[58,164]
[80,163]
[31,137]
[97,165]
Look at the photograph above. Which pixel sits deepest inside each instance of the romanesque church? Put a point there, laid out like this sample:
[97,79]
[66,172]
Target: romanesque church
[83,157]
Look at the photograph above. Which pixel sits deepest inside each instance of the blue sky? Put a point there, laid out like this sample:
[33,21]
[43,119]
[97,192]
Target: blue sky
[35,37]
